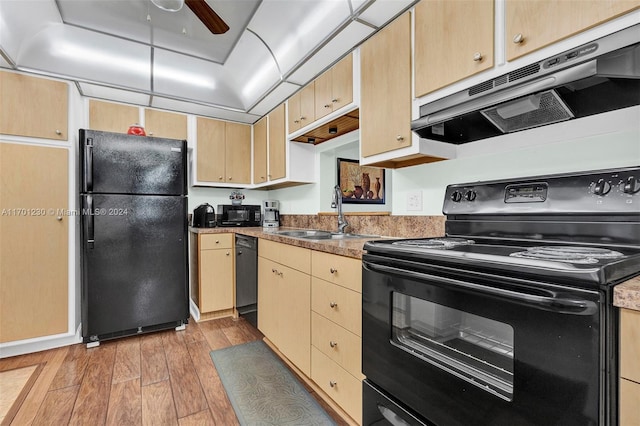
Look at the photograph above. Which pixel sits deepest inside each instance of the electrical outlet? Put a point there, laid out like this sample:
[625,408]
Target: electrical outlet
[414,201]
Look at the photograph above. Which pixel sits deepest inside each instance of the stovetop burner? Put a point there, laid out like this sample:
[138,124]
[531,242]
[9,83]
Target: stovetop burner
[569,254]
[435,243]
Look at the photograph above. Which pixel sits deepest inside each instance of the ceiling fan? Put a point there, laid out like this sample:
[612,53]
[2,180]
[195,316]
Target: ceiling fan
[200,8]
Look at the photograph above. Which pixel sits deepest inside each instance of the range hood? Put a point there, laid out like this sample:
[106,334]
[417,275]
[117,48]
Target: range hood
[600,76]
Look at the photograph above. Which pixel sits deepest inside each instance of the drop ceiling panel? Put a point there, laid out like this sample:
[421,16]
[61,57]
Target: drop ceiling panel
[20,20]
[191,78]
[381,12]
[102,92]
[275,98]
[204,110]
[341,44]
[293,28]
[252,68]
[86,55]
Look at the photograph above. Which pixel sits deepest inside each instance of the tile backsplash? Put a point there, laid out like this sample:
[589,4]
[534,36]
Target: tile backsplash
[384,225]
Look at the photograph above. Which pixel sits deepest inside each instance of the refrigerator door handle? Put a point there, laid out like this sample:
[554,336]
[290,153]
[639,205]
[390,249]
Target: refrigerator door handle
[88,166]
[89,213]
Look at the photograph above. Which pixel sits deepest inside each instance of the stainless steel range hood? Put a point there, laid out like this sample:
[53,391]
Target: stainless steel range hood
[600,76]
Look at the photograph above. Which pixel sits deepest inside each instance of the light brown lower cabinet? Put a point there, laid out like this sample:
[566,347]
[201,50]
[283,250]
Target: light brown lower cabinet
[629,367]
[34,241]
[214,290]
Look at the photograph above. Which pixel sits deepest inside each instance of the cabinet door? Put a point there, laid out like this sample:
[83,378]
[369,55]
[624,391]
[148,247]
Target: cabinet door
[260,151]
[112,117]
[162,124]
[216,280]
[323,94]
[533,24]
[277,144]
[293,112]
[210,156]
[453,40]
[34,228]
[238,153]
[629,402]
[295,324]
[307,105]
[268,300]
[33,107]
[630,344]
[385,94]
[342,83]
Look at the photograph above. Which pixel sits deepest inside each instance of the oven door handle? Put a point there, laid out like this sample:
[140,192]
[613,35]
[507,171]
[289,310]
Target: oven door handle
[550,303]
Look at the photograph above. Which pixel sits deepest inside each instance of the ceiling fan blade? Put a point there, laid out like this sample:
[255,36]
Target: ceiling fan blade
[208,17]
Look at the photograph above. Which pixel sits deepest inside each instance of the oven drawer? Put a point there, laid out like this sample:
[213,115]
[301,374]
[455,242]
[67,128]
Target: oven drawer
[216,241]
[380,410]
[344,271]
[341,386]
[342,346]
[339,304]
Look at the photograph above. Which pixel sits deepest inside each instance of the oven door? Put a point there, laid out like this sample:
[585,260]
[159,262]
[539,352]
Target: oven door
[462,348]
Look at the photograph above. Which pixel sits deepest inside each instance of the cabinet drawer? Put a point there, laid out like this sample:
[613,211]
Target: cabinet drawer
[216,241]
[344,271]
[339,304]
[339,344]
[341,386]
[630,344]
[294,257]
[629,402]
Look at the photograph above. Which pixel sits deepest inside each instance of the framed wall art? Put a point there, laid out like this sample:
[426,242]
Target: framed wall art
[360,184]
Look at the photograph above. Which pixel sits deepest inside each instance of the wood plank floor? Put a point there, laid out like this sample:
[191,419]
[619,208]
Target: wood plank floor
[163,378]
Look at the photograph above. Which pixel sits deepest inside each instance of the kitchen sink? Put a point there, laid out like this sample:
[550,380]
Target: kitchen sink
[314,234]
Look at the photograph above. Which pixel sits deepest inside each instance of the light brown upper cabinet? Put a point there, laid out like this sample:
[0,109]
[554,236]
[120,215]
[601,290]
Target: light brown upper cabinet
[453,40]
[385,93]
[34,266]
[533,24]
[301,108]
[277,144]
[260,150]
[223,151]
[334,88]
[112,117]
[163,124]
[33,107]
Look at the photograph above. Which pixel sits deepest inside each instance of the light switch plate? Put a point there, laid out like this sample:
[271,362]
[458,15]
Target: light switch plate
[414,201]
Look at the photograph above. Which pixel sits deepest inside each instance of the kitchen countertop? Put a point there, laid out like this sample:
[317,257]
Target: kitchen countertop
[627,294]
[349,248]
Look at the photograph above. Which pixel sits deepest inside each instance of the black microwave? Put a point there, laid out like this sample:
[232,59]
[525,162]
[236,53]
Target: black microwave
[230,215]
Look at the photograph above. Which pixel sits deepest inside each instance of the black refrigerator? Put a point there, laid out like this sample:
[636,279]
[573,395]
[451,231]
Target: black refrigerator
[133,201]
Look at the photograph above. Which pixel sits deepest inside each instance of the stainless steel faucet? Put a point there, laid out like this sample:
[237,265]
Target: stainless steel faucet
[336,201]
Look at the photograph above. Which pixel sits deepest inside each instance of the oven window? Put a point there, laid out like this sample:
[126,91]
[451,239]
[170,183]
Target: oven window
[476,349]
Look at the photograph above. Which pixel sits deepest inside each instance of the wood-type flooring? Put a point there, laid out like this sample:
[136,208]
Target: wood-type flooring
[162,378]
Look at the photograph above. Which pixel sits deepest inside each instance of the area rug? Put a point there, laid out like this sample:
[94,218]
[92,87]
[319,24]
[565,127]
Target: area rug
[262,390]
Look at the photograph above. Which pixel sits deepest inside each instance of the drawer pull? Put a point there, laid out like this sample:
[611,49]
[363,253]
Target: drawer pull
[274,271]
[333,384]
[333,304]
[58,132]
[217,241]
[333,271]
[333,344]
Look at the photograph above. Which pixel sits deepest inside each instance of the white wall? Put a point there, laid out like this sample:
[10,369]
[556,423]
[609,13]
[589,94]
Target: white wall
[598,142]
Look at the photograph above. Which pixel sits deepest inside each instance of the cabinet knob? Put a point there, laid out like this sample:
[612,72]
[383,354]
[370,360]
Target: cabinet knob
[227,253]
[59,218]
[333,384]
[230,178]
[150,133]
[58,132]
[296,121]
[477,56]
[333,344]
[220,177]
[335,100]
[327,106]
[274,271]
[333,304]
[261,177]
[303,118]
[333,271]
[217,241]
[399,138]
[518,38]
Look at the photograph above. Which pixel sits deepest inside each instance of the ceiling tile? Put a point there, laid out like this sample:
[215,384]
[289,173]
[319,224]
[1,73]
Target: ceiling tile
[204,110]
[275,98]
[381,11]
[125,96]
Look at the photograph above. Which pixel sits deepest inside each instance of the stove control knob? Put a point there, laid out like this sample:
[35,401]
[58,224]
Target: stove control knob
[456,196]
[631,185]
[602,187]
[470,195]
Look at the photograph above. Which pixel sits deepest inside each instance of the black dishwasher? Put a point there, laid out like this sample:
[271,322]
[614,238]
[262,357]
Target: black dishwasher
[247,278]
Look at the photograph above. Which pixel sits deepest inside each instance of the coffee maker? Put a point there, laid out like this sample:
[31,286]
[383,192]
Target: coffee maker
[271,218]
